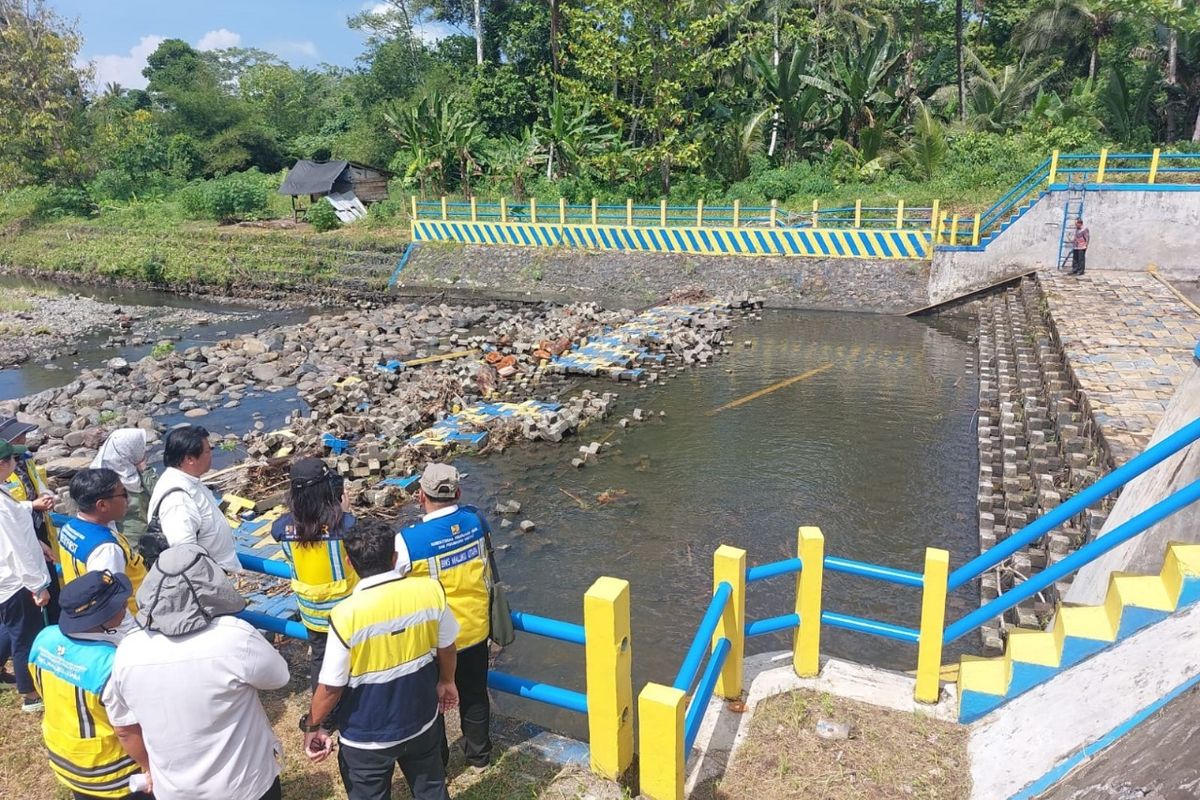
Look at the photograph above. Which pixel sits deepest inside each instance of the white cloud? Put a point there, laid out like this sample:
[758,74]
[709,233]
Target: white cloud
[219,40]
[305,48]
[126,70]
[378,8]
[430,31]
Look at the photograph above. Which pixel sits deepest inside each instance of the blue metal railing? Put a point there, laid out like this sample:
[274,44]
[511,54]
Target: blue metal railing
[789,566]
[704,692]
[690,668]
[569,632]
[870,626]
[874,571]
[1077,504]
[1081,557]
[761,627]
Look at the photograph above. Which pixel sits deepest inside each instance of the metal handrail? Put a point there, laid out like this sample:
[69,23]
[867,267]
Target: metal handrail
[762,572]
[690,667]
[872,626]
[704,693]
[548,627]
[876,572]
[1078,503]
[1080,558]
[542,692]
[761,627]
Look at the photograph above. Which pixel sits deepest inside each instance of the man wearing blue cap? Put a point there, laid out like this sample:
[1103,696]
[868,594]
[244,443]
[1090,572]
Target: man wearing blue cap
[71,663]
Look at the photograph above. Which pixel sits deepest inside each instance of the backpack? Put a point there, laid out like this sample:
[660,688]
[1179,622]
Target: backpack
[153,541]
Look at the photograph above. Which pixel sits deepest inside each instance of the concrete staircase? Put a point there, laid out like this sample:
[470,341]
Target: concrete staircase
[1014,214]
[1032,657]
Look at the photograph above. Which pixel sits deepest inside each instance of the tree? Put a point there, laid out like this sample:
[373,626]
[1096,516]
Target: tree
[1075,26]
[41,96]
[797,106]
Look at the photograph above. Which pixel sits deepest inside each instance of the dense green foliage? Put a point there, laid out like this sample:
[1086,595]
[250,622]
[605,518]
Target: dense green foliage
[322,216]
[755,99]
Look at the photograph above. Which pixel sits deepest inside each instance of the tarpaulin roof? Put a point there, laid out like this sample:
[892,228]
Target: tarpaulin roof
[312,177]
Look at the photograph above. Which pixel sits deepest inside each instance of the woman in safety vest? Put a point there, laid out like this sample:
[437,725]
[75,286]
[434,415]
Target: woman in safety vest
[311,535]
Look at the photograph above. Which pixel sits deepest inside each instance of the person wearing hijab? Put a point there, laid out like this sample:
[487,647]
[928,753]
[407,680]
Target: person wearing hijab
[124,452]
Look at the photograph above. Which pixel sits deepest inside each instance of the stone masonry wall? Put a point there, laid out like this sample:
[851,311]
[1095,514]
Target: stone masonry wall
[641,278]
[1037,447]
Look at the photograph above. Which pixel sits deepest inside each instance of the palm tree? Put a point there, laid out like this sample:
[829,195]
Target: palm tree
[1077,25]
[996,99]
[567,137]
[113,90]
[862,78]
[793,102]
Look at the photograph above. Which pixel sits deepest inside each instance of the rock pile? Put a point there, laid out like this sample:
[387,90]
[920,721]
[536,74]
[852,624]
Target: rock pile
[371,378]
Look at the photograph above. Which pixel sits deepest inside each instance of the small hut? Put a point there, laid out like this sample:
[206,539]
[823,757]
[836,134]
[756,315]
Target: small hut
[347,185]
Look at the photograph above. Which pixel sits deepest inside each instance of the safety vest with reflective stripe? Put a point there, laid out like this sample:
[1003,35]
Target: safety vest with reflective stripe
[453,550]
[78,538]
[323,574]
[391,631]
[35,476]
[70,675]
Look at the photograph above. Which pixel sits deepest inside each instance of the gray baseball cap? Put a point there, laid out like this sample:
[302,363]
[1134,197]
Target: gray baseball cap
[439,482]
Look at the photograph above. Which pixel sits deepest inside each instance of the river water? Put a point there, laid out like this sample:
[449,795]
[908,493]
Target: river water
[876,446]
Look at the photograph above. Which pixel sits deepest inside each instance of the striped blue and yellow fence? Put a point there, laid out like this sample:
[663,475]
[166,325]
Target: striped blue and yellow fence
[812,242]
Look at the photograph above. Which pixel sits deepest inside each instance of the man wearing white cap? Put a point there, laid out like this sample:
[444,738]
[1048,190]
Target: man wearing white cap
[451,544]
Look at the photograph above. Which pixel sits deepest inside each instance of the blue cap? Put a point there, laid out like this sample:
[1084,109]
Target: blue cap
[91,600]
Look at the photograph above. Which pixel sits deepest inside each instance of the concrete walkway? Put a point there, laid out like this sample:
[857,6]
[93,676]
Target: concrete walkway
[1129,341]
[1157,760]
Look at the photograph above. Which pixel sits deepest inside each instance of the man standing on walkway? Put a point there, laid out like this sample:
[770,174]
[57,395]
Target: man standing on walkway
[72,664]
[186,509]
[1081,237]
[24,582]
[185,687]
[450,544]
[90,542]
[391,653]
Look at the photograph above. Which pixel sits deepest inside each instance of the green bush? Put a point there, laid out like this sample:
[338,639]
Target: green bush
[322,216]
[242,195]
[66,201]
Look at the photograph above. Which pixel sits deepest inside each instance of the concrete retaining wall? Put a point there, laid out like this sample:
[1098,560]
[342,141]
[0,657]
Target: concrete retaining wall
[1130,231]
[642,278]
[1144,554]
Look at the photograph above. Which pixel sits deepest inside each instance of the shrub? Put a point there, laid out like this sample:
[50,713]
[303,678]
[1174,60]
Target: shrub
[64,201]
[322,216]
[243,195]
[162,350]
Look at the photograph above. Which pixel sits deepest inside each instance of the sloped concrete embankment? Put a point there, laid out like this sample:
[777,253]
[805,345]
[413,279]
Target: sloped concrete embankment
[1037,446]
[848,284]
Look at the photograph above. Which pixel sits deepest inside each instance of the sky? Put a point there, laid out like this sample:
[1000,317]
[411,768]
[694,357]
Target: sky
[118,35]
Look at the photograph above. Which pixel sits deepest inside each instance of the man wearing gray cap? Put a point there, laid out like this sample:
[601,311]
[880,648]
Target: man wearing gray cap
[185,687]
[451,544]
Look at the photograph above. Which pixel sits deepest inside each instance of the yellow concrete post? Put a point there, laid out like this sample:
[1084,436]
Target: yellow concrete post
[662,212]
[533,209]
[954,230]
[858,213]
[503,210]
[774,213]
[1103,165]
[737,213]
[975,231]
[729,566]
[933,621]
[806,644]
[1053,167]
[899,214]
[562,211]
[1154,166]
[474,212]
[700,213]
[414,207]
[935,218]
[609,676]
[940,229]
[444,215]
[629,211]
[595,213]
[816,205]
[660,734]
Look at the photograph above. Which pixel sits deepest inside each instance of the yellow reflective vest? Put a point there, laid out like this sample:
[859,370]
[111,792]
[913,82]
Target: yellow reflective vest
[78,538]
[322,570]
[70,675]
[36,477]
[453,549]
[391,631]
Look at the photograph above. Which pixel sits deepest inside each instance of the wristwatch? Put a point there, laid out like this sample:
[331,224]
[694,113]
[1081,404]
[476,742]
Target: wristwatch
[305,727]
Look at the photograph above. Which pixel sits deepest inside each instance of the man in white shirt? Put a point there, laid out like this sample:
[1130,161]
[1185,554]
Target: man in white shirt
[186,509]
[185,687]
[24,581]
[391,654]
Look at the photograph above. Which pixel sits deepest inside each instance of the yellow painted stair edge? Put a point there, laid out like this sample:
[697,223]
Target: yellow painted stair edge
[1100,623]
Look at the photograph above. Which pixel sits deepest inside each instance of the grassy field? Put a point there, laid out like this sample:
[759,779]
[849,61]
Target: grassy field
[889,754]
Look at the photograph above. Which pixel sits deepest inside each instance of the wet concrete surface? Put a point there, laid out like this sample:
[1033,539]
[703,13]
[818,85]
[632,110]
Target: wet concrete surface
[1157,760]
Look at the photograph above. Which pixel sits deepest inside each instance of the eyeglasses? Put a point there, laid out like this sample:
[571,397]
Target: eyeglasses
[116,496]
